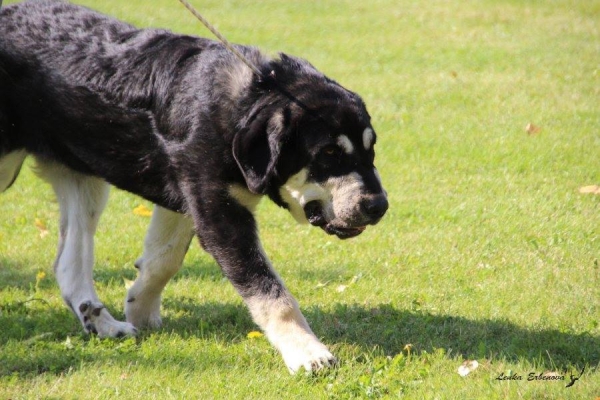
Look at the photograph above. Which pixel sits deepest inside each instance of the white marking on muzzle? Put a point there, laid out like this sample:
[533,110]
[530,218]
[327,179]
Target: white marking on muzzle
[297,192]
[339,196]
[368,138]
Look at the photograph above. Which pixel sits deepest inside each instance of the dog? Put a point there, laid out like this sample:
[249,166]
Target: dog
[182,122]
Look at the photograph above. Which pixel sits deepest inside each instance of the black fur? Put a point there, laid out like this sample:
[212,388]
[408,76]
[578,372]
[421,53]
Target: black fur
[175,119]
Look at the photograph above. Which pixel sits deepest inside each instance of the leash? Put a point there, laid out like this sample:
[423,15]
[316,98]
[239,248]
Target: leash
[270,77]
[215,32]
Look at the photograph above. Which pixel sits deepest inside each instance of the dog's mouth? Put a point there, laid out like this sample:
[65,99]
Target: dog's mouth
[343,233]
[314,214]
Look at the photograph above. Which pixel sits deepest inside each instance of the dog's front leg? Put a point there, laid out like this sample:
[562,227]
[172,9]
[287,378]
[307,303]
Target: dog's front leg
[228,231]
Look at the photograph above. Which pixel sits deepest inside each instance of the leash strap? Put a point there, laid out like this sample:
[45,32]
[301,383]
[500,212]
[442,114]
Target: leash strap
[219,36]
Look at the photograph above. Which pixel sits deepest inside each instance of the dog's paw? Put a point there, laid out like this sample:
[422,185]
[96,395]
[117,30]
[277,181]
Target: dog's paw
[142,308]
[141,315]
[305,352]
[96,319]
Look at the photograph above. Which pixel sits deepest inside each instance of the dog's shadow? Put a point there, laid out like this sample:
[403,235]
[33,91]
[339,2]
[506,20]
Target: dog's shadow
[389,330]
[381,328]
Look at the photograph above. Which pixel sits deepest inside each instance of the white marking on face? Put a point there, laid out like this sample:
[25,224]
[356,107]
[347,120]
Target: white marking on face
[378,177]
[339,196]
[297,193]
[376,173]
[368,138]
[346,195]
[345,144]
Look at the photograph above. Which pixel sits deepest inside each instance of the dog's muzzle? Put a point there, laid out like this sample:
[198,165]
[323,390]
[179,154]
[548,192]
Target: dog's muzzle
[370,211]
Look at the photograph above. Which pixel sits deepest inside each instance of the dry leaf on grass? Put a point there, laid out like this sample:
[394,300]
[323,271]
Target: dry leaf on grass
[142,211]
[128,283]
[467,367]
[532,129]
[352,281]
[591,189]
[41,227]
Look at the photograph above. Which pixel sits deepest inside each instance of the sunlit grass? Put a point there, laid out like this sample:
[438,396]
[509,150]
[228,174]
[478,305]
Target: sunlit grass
[488,252]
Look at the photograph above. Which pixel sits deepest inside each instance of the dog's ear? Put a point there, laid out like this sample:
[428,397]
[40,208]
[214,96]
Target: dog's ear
[256,149]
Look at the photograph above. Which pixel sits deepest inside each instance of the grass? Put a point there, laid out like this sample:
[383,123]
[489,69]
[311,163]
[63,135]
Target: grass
[489,251]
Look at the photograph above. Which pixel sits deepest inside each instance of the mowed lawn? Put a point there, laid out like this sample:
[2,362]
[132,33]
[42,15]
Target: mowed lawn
[488,116]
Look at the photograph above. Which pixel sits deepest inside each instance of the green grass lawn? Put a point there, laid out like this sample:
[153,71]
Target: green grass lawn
[489,251]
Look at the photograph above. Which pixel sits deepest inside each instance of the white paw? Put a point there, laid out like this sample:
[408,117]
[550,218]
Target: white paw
[305,352]
[141,316]
[96,319]
[142,309]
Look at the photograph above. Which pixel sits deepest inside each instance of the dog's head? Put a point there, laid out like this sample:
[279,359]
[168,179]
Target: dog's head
[309,145]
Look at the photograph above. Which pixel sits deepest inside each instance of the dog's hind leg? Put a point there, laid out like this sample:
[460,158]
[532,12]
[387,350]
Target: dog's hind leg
[166,243]
[81,199]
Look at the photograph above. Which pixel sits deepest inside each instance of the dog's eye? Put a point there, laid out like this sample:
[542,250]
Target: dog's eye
[331,151]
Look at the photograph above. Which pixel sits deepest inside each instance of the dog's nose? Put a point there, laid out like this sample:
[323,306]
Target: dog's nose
[375,206]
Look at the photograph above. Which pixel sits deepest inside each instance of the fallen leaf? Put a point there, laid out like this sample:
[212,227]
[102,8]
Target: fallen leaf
[467,367]
[68,344]
[142,211]
[41,227]
[254,335]
[128,283]
[591,189]
[532,129]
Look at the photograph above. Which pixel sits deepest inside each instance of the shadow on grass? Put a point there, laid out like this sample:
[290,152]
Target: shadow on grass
[389,330]
[382,329]
[15,274]
[194,269]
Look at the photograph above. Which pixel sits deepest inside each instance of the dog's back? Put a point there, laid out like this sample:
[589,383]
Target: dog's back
[76,86]
[128,65]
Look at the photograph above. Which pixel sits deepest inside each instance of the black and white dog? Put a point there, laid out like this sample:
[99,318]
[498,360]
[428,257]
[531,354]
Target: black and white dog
[182,122]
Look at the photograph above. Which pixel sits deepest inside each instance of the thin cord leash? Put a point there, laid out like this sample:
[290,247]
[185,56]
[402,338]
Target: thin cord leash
[270,77]
[219,36]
